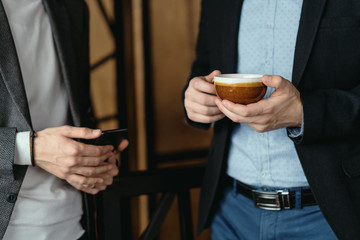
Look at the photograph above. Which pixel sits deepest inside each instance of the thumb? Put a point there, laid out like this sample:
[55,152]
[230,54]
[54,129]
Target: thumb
[211,76]
[276,82]
[80,132]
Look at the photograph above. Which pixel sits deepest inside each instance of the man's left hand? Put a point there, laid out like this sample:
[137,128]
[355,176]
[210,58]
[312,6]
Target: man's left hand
[282,109]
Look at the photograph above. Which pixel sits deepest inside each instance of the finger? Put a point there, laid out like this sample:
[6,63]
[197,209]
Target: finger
[101,186]
[108,179]
[83,161]
[231,112]
[201,85]
[201,98]
[203,118]
[115,158]
[93,150]
[275,81]
[250,110]
[245,117]
[123,144]
[91,189]
[234,117]
[211,76]
[80,132]
[114,170]
[81,181]
[112,159]
[202,109]
[93,171]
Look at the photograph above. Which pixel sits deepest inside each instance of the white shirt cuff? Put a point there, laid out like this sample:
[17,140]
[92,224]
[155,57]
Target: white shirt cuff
[295,132]
[22,149]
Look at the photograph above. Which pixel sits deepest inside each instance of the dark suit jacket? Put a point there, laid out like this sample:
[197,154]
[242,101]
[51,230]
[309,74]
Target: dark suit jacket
[327,74]
[69,22]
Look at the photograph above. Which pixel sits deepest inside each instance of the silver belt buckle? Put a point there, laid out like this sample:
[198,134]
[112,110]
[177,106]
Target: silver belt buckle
[272,200]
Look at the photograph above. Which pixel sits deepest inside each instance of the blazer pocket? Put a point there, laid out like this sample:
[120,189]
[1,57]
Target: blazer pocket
[340,22]
[351,166]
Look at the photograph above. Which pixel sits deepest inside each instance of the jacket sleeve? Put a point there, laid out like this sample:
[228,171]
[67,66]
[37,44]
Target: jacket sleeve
[201,66]
[331,114]
[7,152]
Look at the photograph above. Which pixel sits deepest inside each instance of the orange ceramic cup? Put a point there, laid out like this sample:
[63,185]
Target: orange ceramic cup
[240,88]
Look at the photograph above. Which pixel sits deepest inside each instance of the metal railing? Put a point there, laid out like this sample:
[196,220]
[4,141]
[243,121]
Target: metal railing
[170,182]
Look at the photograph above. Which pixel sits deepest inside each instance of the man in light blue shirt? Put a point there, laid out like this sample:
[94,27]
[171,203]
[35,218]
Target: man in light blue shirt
[267,37]
[262,161]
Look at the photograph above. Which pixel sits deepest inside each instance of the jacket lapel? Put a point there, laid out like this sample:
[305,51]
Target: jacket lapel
[309,24]
[10,68]
[60,25]
[231,23]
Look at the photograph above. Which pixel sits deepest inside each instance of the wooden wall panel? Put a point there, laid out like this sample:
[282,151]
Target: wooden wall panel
[173,29]
[103,79]
[173,34]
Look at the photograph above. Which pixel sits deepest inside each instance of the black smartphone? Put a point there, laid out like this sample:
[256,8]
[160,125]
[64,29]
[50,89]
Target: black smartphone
[108,137]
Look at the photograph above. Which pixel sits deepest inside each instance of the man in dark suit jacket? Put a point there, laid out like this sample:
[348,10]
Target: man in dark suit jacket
[62,166]
[325,91]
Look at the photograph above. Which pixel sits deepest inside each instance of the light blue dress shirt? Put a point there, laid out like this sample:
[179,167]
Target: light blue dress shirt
[267,37]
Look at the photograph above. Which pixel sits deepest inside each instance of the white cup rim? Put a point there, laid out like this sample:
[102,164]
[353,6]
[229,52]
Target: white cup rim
[237,78]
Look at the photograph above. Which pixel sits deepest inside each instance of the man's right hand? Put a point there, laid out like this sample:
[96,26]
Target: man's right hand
[81,165]
[200,100]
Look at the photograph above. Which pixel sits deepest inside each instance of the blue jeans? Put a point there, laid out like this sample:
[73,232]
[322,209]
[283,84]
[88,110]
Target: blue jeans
[238,218]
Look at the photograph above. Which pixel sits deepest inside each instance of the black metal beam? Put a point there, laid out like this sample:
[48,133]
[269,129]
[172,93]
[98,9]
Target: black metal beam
[149,106]
[125,227]
[186,227]
[158,217]
[185,155]
[102,61]
[106,17]
[137,183]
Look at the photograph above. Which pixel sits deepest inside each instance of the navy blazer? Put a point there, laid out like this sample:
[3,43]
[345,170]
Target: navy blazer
[327,74]
[69,21]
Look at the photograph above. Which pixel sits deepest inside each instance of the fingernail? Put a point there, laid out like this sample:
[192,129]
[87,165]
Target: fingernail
[96,131]
[110,167]
[225,103]
[267,78]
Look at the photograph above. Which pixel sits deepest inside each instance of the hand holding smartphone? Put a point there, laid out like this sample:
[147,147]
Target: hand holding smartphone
[109,137]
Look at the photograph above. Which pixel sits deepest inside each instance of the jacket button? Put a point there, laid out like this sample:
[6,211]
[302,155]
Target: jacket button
[11,197]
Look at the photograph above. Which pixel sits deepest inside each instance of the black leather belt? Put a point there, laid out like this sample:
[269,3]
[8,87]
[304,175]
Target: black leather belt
[275,200]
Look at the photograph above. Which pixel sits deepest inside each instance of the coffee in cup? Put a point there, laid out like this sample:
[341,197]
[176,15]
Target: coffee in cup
[240,88]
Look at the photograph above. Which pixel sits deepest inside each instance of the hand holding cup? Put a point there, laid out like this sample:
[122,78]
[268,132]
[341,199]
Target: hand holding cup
[282,109]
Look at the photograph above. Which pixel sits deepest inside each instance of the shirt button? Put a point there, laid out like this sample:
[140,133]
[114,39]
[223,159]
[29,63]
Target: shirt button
[263,174]
[11,197]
